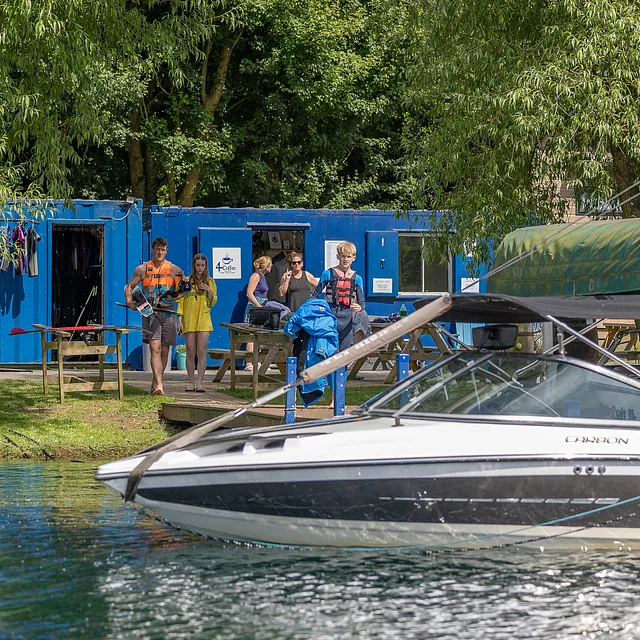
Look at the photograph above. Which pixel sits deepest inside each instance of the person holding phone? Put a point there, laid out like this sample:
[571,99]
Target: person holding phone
[194,319]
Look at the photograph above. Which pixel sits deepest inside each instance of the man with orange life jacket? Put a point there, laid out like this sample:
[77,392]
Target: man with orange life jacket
[160,281]
[344,292]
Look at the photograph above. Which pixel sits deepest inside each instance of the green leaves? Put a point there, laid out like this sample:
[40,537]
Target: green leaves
[520,98]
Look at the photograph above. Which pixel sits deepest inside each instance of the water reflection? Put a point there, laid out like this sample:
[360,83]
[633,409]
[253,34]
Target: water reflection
[75,563]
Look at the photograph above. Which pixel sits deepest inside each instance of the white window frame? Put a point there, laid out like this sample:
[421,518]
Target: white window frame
[449,265]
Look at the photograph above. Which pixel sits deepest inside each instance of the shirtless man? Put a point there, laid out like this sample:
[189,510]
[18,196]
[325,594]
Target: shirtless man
[157,278]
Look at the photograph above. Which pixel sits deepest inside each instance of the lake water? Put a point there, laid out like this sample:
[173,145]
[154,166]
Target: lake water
[75,563]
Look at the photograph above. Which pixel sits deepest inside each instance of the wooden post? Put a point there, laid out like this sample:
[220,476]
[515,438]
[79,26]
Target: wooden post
[232,359]
[60,366]
[256,372]
[119,361]
[45,370]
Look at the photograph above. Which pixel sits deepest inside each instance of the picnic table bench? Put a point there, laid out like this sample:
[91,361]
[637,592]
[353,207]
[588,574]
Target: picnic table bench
[269,347]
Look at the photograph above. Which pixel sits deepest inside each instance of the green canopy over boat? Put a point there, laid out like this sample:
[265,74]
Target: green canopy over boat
[580,259]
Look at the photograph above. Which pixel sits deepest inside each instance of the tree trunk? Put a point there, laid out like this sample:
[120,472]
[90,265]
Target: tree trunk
[189,188]
[210,101]
[136,159]
[624,174]
[151,179]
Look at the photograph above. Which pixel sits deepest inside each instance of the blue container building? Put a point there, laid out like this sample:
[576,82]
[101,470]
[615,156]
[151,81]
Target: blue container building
[88,252]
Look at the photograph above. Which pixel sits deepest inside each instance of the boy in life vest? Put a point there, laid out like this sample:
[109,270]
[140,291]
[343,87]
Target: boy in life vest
[160,281]
[343,292]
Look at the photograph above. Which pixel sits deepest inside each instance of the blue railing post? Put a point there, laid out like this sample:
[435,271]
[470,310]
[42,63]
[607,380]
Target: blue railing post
[290,398]
[402,365]
[339,392]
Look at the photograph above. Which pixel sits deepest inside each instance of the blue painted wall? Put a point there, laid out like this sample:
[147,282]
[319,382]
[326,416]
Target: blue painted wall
[25,301]
[128,233]
[180,227]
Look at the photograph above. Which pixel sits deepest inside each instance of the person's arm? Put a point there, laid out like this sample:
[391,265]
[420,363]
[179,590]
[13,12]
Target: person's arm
[251,287]
[359,303]
[136,279]
[178,276]
[284,283]
[213,298]
[324,279]
[312,279]
[180,313]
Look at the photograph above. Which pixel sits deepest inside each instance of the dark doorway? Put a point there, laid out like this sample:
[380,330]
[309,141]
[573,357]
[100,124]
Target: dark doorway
[277,244]
[77,275]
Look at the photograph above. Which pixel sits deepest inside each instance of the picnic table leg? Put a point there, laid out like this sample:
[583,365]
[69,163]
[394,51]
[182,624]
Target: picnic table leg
[45,370]
[119,361]
[232,360]
[357,365]
[255,374]
[60,368]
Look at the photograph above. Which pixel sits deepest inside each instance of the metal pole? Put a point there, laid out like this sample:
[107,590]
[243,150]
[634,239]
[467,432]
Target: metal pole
[290,397]
[339,392]
[402,365]
[592,344]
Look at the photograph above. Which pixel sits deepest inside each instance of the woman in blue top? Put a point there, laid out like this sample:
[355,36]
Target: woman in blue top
[344,292]
[257,291]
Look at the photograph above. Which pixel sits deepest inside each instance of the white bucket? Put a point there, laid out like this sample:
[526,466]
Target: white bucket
[146,358]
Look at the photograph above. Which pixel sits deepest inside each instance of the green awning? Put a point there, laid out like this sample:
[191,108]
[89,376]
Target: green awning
[582,259]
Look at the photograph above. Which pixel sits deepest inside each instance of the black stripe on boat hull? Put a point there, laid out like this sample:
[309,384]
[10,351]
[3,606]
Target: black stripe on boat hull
[524,501]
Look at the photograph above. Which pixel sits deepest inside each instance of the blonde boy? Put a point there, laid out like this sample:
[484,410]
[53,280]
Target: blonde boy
[344,292]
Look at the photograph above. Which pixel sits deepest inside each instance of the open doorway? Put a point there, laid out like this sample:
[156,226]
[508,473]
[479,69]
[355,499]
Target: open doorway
[277,244]
[77,275]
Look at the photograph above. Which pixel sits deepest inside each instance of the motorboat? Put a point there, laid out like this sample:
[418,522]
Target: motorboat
[483,448]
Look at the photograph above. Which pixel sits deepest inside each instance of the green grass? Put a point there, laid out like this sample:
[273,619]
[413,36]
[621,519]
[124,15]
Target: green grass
[355,395]
[85,426]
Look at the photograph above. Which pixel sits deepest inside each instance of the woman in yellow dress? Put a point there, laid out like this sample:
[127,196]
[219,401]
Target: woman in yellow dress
[194,319]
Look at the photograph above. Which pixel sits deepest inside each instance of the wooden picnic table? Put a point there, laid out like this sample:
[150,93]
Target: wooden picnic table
[269,347]
[412,344]
[64,346]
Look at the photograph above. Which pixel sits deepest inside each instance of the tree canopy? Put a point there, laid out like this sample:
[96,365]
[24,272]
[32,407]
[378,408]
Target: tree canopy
[228,102]
[515,98]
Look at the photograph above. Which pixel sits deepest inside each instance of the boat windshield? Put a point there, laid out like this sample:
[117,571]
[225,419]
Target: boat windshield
[510,384]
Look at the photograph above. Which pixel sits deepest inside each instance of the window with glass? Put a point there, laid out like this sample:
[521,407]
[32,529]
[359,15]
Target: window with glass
[416,275]
[508,384]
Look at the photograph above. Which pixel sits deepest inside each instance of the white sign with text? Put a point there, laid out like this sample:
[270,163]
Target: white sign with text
[469,285]
[382,285]
[330,247]
[227,263]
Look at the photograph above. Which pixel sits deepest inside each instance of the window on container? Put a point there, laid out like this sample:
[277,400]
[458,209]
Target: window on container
[416,275]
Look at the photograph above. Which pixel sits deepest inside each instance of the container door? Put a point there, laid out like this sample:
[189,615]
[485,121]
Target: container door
[382,264]
[229,252]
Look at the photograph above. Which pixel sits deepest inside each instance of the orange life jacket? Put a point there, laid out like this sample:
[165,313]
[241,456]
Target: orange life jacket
[157,280]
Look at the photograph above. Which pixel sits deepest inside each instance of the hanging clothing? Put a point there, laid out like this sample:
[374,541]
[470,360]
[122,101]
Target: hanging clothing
[5,241]
[32,252]
[279,266]
[195,308]
[316,319]
[20,250]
